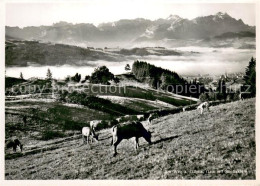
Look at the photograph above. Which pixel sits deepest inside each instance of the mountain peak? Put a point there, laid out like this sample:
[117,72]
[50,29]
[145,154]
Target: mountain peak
[173,17]
[62,23]
[222,15]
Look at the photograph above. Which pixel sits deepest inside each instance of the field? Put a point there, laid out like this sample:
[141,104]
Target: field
[220,144]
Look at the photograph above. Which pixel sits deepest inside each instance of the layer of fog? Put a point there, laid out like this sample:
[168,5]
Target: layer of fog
[208,61]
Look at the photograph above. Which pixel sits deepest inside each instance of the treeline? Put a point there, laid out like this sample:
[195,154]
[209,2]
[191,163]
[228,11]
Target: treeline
[101,75]
[167,80]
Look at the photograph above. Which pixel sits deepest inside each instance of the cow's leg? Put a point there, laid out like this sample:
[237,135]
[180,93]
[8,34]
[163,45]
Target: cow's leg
[137,143]
[83,139]
[201,111]
[87,139]
[14,147]
[112,141]
[115,145]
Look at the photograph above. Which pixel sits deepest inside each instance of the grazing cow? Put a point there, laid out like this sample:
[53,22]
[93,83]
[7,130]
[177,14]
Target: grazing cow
[13,144]
[88,132]
[93,124]
[202,106]
[127,131]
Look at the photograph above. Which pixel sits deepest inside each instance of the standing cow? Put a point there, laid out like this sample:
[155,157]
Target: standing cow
[88,133]
[93,124]
[202,106]
[127,131]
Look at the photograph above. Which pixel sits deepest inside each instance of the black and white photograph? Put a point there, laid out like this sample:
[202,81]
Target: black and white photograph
[129,90]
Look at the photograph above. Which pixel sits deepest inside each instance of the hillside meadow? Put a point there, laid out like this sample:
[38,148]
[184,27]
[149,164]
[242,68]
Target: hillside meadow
[220,144]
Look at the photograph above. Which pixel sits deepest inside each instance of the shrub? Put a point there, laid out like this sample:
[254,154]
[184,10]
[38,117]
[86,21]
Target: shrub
[76,78]
[101,75]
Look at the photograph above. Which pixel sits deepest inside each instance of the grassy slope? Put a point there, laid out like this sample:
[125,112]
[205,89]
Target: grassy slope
[136,92]
[18,53]
[50,115]
[10,81]
[220,140]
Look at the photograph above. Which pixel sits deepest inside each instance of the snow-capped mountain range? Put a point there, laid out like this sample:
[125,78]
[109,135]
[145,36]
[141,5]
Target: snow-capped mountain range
[136,30]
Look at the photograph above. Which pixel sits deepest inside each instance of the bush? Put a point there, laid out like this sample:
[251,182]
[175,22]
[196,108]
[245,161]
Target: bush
[101,75]
[204,97]
[76,78]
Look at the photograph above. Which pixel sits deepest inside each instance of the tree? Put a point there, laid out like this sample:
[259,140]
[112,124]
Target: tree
[163,81]
[127,67]
[76,78]
[21,75]
[221,90]
[67,79]
[101,75]
[204,97]
[49,74]
[116,80]
[87,77]
[250,77]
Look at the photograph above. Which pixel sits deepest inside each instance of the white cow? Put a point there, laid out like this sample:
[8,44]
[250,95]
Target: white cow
[202,106]
[87,132]
[94,123]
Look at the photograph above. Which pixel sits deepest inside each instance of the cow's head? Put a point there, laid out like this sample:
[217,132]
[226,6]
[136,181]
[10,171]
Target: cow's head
[96,137]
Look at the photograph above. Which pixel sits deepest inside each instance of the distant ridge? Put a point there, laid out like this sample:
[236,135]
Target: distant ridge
[135,30]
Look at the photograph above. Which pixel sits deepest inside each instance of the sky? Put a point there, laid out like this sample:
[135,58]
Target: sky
[99,11]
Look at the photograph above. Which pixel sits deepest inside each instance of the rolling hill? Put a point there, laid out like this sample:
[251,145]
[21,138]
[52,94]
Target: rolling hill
[26,53]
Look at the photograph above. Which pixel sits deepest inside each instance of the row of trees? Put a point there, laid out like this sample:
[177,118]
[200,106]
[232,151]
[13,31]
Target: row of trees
[101,75]
[160,78]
